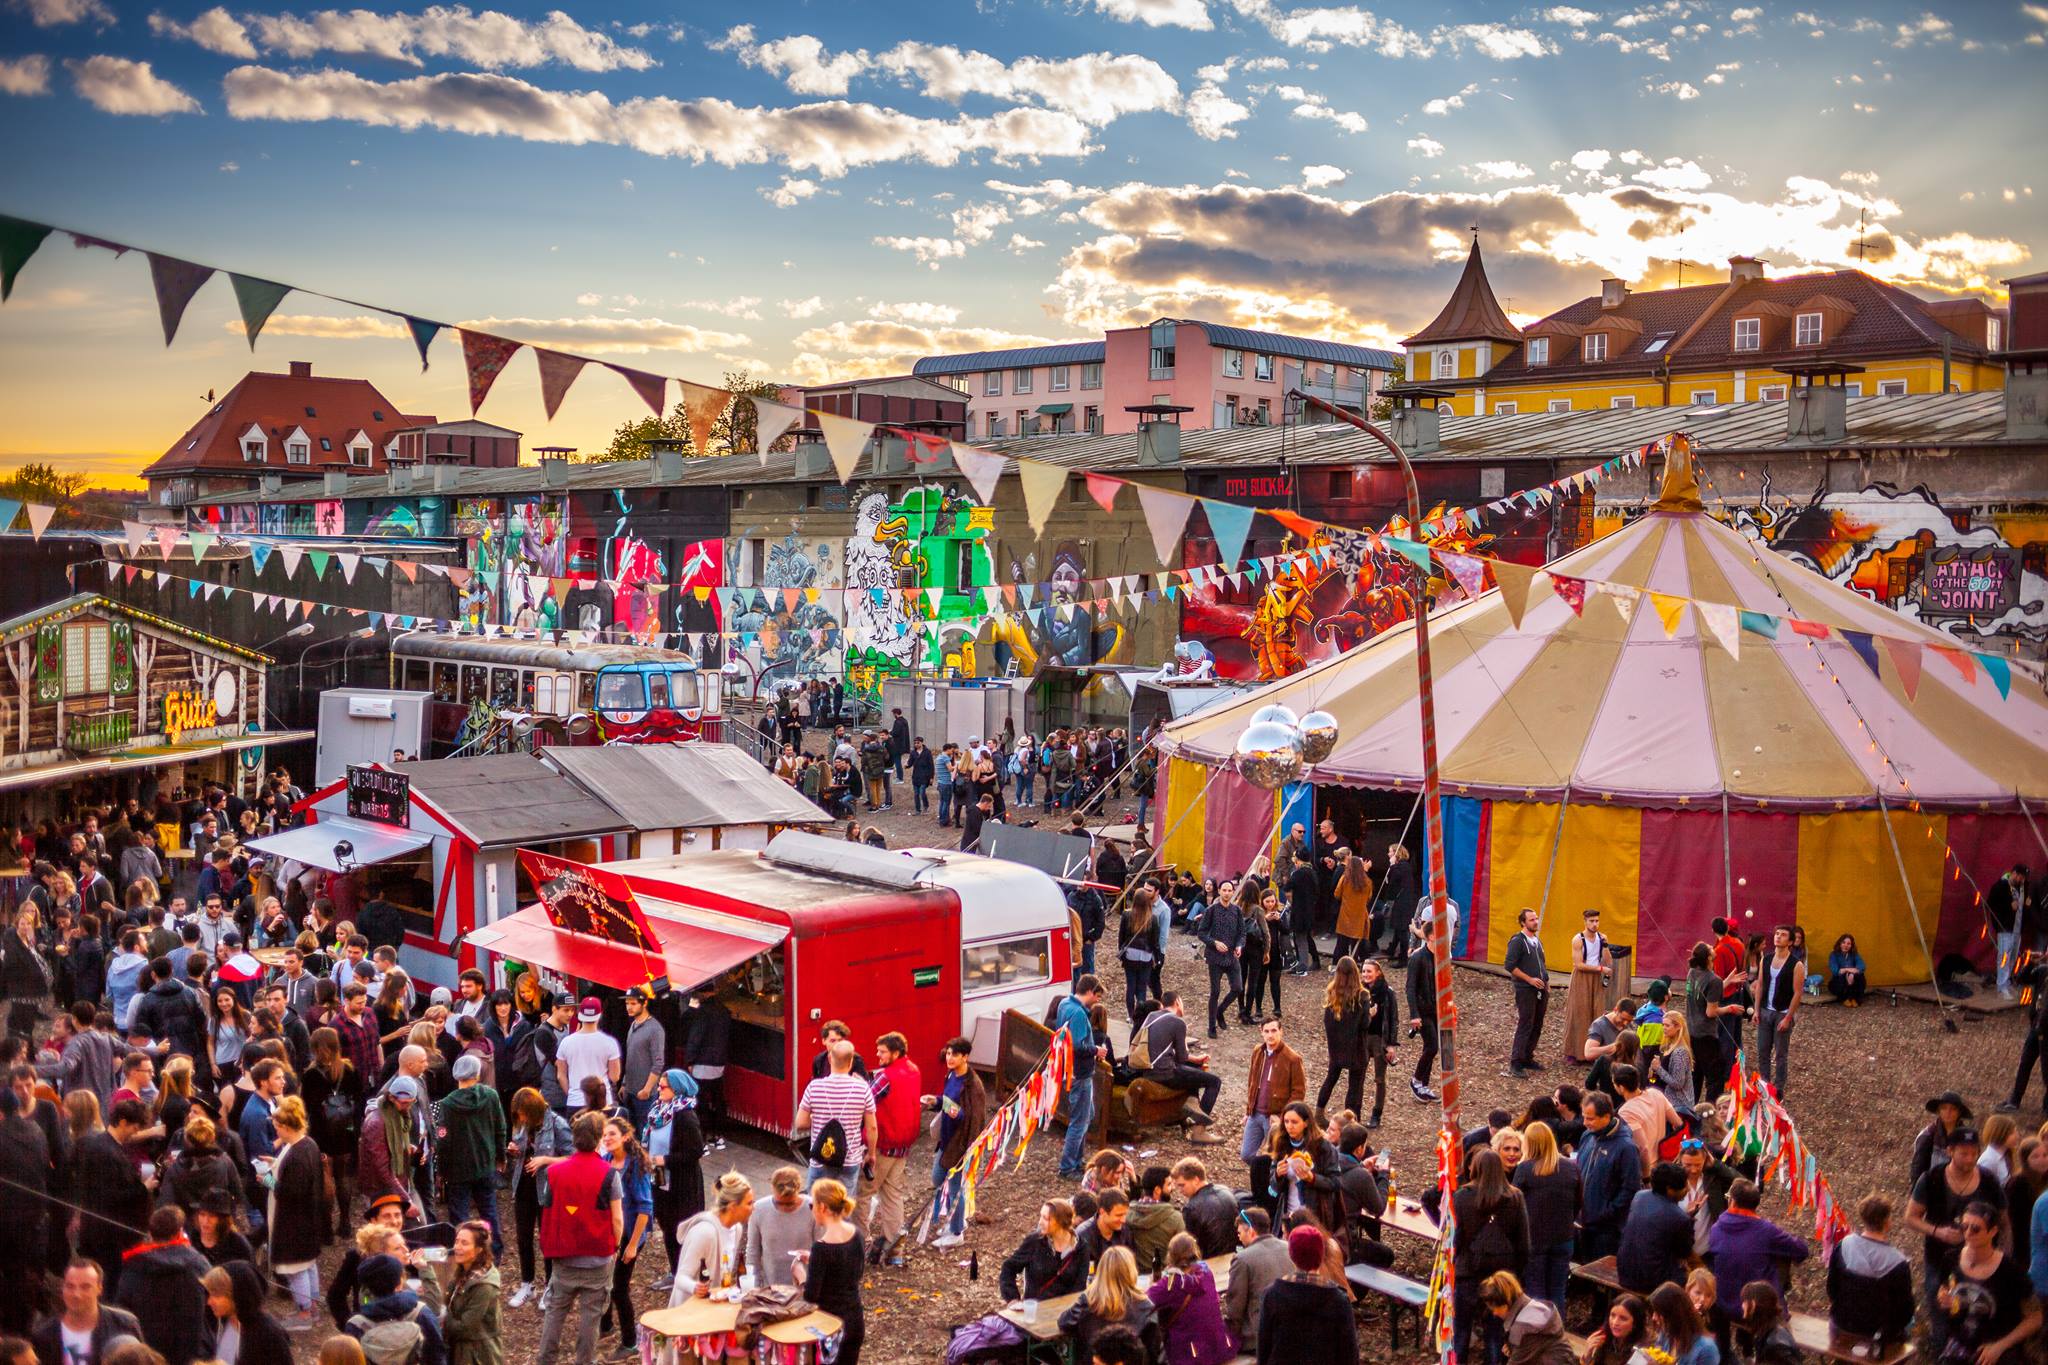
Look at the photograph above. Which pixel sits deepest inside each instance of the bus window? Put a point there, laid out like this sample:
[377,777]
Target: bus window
[682,690]
[504,687]
[474,683]
[544,693]
[586,691]
[415,679]
[443,682]
[526,688]
[621,692]
[657,691]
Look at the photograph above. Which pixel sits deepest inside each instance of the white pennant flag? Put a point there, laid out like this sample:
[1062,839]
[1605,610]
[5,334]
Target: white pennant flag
[1724,623]
[1166,515]
[1624,599]
[39,514]
[348,565]
[981,468]
[290,555]
[845,439]
[136,534]
[771,420]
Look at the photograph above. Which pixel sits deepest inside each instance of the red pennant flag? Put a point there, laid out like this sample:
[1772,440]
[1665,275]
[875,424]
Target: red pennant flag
[1293,521]
[1572,591]
[176,282]
[1905,658]
[1103,489]
[1960,658]
[485,356]
[652,388]
[557,372]
[1812,629]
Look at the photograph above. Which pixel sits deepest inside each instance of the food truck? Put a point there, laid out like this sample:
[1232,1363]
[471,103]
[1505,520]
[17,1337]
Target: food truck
[927,942]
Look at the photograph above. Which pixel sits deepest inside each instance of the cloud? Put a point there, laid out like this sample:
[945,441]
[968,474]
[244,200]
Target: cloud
[1440,107]
[922,314]
[791,192]
[1019,244]
[1028,201]
[828,138]
[1192,14]
[1571,15]
[746,307]
[1498,41]
[115,85]
[1592,159]
[589,300]
[1211,112]
[890,340]
[1426,146]
[1322,28]
[1678,90]
[1497,170]
[1310,105]
[802,308]
[1321,177]
[28,75]
[1929,27]
[54,13]
[230,167]
[976,223]
[587,335]
[491,40]
[930,251]
[1097,87]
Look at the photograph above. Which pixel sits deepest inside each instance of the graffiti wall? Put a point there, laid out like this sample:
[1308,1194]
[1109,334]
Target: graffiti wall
[791,617]
[478,523]
[536,582]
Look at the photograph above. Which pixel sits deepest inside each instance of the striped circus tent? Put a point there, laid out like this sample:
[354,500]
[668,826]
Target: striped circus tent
[1735,746]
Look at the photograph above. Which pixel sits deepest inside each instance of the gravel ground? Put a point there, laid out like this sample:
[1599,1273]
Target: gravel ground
[1858,1081]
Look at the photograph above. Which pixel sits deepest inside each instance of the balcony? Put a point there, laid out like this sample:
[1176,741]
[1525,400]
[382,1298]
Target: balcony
[1159,372]
[96,734]
[1322,384]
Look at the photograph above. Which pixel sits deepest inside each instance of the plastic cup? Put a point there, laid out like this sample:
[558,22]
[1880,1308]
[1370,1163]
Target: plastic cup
[1029,1308]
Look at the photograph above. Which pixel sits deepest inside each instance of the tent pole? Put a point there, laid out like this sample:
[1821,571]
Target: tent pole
[1913,910]
[1556,838]
[1727,864]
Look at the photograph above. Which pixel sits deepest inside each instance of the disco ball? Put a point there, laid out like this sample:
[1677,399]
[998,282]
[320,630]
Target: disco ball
[1318,735]
[1277,713]
[1269,755]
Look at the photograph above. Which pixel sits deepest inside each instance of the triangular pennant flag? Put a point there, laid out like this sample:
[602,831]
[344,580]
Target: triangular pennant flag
[1998,669]
[1571,591]
[1294,522]
[19,239]
[1670,611]
[458,577]
[1865,646]
[176,282]
[845,439]
[560,588]
[166,537]
[257,299]
[981,469]
[1514,581]
[1166,515]
[1414,551]
[485,357]
[1469,570]
[702,406]
[291,556]
[652,388]
[320,560]
[558,370]
[1961,660]
[259,554]
[1042,484]
[202,541]
[192,586]
[127,573]
[8,508]
[1103,489]
[1624,599]
[348,565]
[1229,523]
[423,334]
[1905,656]
[1760,623]
[1811,629]
[409,569]
[1721,622]
[39,514]
[771,420]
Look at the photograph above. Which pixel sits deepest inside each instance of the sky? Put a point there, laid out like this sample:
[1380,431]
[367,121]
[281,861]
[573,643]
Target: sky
[837,188]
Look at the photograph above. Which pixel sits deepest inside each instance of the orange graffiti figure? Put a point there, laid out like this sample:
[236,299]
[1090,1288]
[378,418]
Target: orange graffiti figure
[1379,598]
[1282,614]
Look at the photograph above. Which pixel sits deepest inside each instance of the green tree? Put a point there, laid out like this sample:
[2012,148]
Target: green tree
[735,430]
[630,441]
[42,483]
[1383,406]
[732,432]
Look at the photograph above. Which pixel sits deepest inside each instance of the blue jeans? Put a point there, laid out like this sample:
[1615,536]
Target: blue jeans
[482,1197]
[946,802]
[956,1218]
[1256,1127]
[1023,789]
[1080,1118]
[1086,965]
[848,1176]
[1548,1271]
[922,791]
[1144,801]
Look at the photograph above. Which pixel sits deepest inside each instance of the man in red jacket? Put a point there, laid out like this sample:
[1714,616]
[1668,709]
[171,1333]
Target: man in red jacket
[581,1223]
[899,1112]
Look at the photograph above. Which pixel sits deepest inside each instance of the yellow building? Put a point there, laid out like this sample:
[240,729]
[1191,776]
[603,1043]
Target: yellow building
[1732,341]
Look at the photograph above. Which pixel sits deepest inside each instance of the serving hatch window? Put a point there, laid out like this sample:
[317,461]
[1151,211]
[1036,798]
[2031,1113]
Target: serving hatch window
[1008,964]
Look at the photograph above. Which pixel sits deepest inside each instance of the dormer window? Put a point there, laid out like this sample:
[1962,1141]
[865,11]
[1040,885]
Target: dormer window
[1446,365]
[1539,350]
[298,447]
[1806,329]
[1594,347]
[359,450]
[255,445]
[1749,334]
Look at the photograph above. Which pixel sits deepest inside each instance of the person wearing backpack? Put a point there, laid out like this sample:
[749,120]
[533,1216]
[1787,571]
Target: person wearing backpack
[838,1111]
[582,1222]
[394,1327]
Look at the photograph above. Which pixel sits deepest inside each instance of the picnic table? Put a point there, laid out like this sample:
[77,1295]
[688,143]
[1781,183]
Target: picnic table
[715,1322]
[1044,1325]
[1405,1297]
[1817,1336]
[1603,1272]
[1405,1215]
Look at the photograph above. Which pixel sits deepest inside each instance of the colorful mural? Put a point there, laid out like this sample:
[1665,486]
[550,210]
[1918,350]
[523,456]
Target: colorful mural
[793,634]
[536,565]
[936,543]
[476,521]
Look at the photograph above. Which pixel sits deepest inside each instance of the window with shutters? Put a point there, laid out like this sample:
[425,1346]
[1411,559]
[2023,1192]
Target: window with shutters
[88,653]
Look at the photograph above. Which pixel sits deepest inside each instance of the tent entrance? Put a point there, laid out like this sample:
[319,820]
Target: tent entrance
[1368,820]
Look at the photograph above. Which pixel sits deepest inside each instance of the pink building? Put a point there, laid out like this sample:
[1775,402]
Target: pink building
[1224,376]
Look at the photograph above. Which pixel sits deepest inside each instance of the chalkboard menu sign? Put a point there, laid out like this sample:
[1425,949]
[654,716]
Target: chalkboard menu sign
[375,794]
[1983,582]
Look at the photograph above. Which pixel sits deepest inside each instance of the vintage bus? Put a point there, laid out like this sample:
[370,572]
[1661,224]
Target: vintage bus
[554,693]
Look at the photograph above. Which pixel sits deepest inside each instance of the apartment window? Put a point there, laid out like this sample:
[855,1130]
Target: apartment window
[1446,365]
[1993,333]
[1771,393]
[1891,388]
[359,456]
[1704,398]
[1749,334]
[1855,388]
[1020,381]
[1233,364]
[1504,409]
[86,658]
[992,384]
[1658,343]
[1623,401]
[1539,350]
[1061,378]
[1340,485]
[1806,329]
[1265,412]
[995,424]
[1594,347]
[1077,490]
[254,452]
[1091,376]
[1262,367]
[298,452]
[1162,362]
[1091,420]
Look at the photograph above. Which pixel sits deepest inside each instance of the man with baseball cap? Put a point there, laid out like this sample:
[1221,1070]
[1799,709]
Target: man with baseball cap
[589,1051]
[394,1143]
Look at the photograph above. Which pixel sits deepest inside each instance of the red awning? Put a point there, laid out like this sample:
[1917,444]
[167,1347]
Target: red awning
[690,953]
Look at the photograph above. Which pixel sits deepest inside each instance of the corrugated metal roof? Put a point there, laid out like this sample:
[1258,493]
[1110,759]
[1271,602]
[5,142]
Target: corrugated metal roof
[684,786]
[499,799]
[1023,358]
[1299,348]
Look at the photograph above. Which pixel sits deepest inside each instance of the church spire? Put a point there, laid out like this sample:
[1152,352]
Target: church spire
[1473,314]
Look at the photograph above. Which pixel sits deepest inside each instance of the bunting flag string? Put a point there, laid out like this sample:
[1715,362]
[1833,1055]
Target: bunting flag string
[1763,1130]
[1030,1107]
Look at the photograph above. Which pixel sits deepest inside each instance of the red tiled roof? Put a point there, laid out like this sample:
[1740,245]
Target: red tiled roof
[279,403]
[1473,314]
[1867,319]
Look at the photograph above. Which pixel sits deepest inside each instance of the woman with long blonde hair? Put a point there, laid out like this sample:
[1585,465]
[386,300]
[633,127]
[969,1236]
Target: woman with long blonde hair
[1112,1300]
[1672,1071]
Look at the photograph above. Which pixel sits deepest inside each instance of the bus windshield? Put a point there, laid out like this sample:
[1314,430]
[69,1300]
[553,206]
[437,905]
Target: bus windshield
[621,691]
[682,690]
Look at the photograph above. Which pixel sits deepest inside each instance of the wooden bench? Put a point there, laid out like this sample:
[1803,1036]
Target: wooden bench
[1403,1296]
[1817,1336]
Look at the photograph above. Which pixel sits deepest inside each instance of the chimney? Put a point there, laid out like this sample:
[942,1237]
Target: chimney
[892,456]
[1158,443]
[813,461]
[273,483]
[302,369]
[554,471]
[1415,425]
[1744,269]
[1817,414]
[398,478]
[445,477]
[1612,292]
[2026,400]
[334,482]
